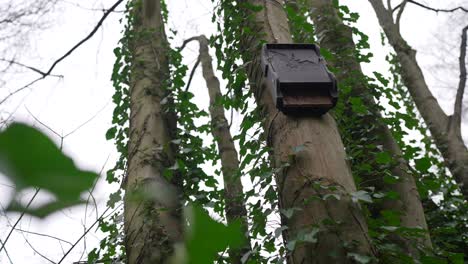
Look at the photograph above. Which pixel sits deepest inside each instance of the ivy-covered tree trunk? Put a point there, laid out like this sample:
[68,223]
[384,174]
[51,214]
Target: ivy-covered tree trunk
[152,217]
[446,130]
[233,191]
[326,225]
[369,129]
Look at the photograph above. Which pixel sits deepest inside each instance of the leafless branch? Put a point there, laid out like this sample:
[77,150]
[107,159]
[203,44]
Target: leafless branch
[85,233]
[87,121]
[44,125]
[18,220]
[461,8]
[6,252]
[44,235]
[457,112]
[400,12]
[187,41]
[43,74]
[91,196]
[192,74]
[36,251]
[91,9]
[68,53]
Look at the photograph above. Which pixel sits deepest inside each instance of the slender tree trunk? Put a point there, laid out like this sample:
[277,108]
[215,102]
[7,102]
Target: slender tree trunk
[152,216]
[446,130]
[233,191]
[321,161]
[337,37]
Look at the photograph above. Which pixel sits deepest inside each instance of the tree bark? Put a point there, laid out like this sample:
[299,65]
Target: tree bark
[233,191]
[321,161]
[338,38]
[444,129]
[152,217]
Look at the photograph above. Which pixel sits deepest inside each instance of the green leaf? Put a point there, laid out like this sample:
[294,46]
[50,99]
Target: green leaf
[207,237]
[110,134]
[361,196]
[383,158]
[432,260]
[423,164]
[30,159]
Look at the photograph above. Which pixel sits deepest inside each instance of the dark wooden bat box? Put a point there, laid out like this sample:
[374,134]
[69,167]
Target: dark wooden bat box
[298,79]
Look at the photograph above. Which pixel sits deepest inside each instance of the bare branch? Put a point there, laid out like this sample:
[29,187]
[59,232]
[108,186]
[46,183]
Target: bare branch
[457,112]
[18,220]
[68,53]
[91,9]
[44,125]
[44,235]
[400,12]
[192,74]
[36,251]
[85,233]
[87,121]
[6,252]
[29,67]
[187,41]
[450,10]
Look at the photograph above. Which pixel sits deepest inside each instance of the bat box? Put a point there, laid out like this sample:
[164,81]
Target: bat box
[298,79]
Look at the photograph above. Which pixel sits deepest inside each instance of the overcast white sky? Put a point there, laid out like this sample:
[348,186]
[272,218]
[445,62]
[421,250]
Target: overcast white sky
[86,90]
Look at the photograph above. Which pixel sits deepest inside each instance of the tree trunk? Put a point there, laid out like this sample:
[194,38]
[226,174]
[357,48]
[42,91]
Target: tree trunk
[320,162]
[152,216]
[233,191]
[337,38]
[445,130]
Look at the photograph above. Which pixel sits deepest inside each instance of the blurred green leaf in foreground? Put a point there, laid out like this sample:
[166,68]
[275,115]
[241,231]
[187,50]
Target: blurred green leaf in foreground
[32,160]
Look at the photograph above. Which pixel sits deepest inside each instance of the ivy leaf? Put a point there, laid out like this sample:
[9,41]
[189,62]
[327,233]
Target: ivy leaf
[289,212]
[361,196]
[291,245]
[334,195]
[298,149]
[432,260]
[423,164]
[207,237]
[383,158]
[279,231]
[30,159]
[110,134]
[360,258]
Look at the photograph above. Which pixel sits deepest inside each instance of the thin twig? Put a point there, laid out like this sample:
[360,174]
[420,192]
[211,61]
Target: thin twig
[91,9]
[192,74]
[84,234]
[36,251]
[461,8]
[18,220]
[6,252]
[29,67]
[68,53]
[44,125]
[44,235]
[87,121]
